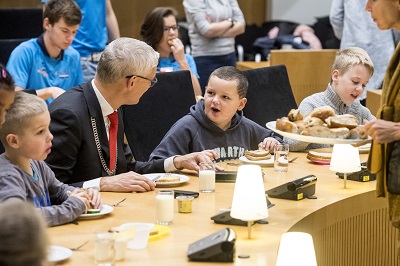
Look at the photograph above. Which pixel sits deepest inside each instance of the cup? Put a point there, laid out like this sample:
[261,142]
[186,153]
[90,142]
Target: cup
[120,246]
[207,177]
[141,237]
[164,207]
[104,248]
[281,155]
[185,204]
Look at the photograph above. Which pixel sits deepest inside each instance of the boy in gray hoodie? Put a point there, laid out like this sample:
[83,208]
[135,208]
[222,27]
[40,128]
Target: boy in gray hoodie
[217,122]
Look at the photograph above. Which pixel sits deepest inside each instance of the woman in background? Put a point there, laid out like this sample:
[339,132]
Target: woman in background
[384,157]
[213,26]
[160,31]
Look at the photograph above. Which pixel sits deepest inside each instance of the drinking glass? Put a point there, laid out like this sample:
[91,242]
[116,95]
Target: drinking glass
[281,155]
[104,253]
[207,177]
[165,206]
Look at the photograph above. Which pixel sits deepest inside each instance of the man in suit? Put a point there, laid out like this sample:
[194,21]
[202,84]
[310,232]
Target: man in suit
[80,122]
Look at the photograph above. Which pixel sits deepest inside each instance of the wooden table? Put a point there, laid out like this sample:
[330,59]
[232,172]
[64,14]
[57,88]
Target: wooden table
[246,65]
[188,228]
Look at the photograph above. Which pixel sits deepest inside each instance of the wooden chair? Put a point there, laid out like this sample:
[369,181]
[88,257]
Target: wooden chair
[269,95]
[309,70]
[160,107]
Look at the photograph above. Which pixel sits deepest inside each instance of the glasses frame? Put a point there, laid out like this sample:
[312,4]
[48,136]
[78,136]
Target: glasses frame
[152,81]
[174,28]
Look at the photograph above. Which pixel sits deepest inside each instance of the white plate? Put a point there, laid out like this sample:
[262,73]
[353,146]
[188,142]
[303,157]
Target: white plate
[105,209]
[364,148]
[269,162]
[272,125]
[57,253]
[183,179]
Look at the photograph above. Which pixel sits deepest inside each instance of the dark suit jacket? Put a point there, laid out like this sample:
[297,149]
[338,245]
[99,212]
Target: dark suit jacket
[74,157]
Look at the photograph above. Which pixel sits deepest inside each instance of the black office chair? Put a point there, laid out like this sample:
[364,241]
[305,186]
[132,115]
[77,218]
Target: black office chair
[269,95]
[21,23]
[6,47]
[160,107]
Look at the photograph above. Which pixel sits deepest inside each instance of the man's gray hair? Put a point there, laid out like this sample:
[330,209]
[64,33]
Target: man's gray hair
[124,57]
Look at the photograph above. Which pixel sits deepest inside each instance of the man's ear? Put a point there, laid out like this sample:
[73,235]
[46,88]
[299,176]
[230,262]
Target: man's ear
[242,103]
[12,141]
[46,24]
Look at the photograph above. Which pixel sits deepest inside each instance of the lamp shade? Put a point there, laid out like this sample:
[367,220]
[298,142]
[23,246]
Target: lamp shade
[249,199]
[296,248]
[345,159]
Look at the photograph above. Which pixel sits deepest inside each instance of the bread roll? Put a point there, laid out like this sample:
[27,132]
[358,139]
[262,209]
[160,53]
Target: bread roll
[295,115]
[358,132]
[285,125]
[349,121]
[170,42]
[312,121]
[322,112]
[325,132]
[300,126]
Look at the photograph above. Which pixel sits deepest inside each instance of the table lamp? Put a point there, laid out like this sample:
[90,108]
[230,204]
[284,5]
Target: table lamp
[296,248]
[249,201]
[345,159]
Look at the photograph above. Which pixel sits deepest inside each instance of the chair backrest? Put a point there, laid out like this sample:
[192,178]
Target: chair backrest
[6,47]
[269,95]
[21,23]
[309,70]
[160,107]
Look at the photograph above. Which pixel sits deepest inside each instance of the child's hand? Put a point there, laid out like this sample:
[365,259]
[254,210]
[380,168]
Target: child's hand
[95,198]
[82,195]
[269,144]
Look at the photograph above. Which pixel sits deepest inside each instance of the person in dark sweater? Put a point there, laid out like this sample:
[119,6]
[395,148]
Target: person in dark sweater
[217,122]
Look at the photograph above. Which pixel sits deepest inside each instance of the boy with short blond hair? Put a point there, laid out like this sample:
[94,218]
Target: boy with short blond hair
[217,122]
[351,72]
[27,140]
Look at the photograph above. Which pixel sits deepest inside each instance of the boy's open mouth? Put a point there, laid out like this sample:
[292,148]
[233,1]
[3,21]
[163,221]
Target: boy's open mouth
[214,109]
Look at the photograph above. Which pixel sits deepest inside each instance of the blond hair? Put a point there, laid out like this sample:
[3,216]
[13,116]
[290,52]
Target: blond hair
[349,57]
[22,233]
[19,114]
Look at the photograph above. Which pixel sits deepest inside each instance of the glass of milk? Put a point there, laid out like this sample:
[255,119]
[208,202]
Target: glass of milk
[207,177]
[164,206]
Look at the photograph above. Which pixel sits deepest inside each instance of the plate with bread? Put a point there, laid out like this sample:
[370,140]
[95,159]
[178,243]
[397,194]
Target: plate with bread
[167,180]
[321,126]
[260,157]
[96,213]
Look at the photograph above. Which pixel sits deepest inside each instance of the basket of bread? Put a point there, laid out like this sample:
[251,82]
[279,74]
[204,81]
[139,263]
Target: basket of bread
[322,122]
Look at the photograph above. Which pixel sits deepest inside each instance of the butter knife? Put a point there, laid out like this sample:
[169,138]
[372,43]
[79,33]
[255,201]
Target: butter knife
[156,178]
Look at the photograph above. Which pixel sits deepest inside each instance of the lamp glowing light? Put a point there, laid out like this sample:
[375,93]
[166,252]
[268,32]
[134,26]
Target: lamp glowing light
[249,200]
[296,248]
[345,159]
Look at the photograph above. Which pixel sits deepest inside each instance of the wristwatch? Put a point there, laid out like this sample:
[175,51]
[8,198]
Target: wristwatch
[231,21]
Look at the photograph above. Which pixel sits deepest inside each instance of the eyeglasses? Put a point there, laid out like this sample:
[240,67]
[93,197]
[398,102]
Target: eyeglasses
[174,28]
[152,81]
